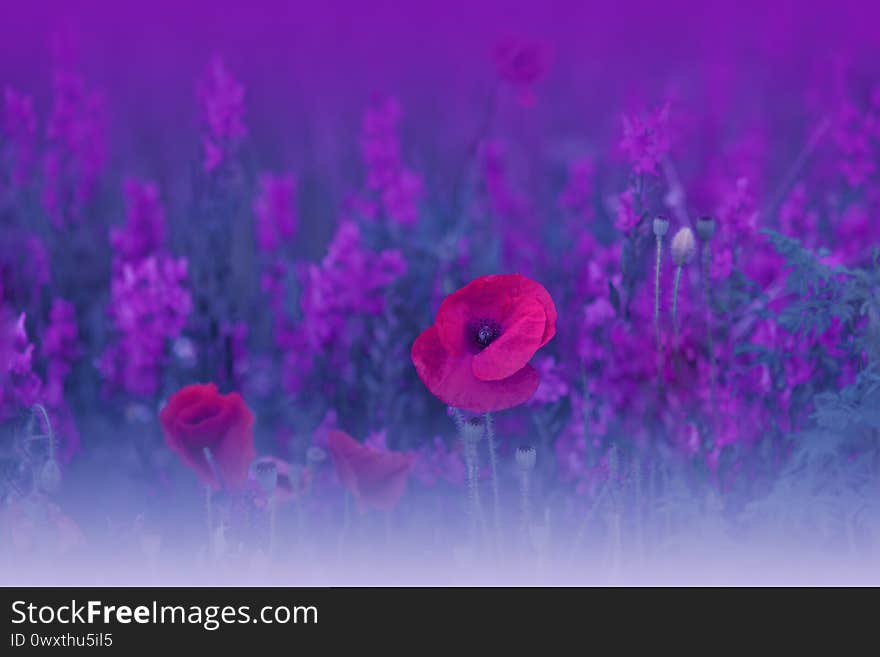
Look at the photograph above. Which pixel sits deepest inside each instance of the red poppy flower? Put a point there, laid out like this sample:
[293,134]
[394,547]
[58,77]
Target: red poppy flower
[198,418]
[476,355]
[375,478]
[522,63]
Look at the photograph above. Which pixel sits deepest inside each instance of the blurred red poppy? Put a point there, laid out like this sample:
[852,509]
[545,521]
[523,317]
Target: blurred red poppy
[475,356]
[376,478]
[201,424]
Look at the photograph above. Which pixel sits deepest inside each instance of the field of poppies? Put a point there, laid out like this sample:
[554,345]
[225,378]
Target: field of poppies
[565,293]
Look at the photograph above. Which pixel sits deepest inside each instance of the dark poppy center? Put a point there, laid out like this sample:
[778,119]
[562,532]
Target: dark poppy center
[484,332]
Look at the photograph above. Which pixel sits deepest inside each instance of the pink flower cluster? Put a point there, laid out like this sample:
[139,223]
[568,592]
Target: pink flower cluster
[275,211]
[399,188]
[646,140]
[515,217]
[628,216]
[144,231]
[19,130]
[221,98]
[76,148]
[149,307]
[21,387]
[60,349]
[347,285]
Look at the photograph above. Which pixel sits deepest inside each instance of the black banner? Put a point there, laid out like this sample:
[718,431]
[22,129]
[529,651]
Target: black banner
[379,620]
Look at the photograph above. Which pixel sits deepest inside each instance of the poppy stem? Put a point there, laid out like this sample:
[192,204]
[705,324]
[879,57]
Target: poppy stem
[524,486]
[675,288]
[346,516]
[470,439]
[209,515]
[493,463]
[272,524]
[707,269]
[657,306]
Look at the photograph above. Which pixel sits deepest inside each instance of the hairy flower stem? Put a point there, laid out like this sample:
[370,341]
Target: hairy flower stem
[209,506]
[588,516]
[209,517]
[273,513]
[525,502]
[615,545]
[346,520]
[472,468]
[676,285]
[657,306]
[493,462]
[639,532]
[707,265]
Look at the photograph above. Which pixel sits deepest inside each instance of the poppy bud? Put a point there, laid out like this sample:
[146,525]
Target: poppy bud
[706,227]
[315,455]
[661,225]
[50,476]
[526,458]
[683,247]
[472,430]
[266,474]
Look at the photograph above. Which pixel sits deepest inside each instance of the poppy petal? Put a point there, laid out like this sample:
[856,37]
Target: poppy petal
[519,340]
[451,379]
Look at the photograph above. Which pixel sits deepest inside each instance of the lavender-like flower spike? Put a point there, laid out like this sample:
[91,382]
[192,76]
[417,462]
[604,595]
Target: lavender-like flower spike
[222,103]
[19,131]
[144,231]
[399,189]
[76,151]
[275,211]
[150,304]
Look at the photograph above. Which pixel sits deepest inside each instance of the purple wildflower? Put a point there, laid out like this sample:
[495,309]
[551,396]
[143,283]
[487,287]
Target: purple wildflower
[236,336]
[19,135]
[347,285]
[275,211]
[144,232]
[646,140]
[60,349]
[21,386]
[222,103]
[400,190]
[76,150]
[149,307]
[627,217]
[553,386]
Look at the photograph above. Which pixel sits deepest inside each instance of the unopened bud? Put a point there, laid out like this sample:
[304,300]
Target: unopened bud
[683,246]
[706,227]
[661,225]
[315,455]
[526,458]
[472,430]
[266,474]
